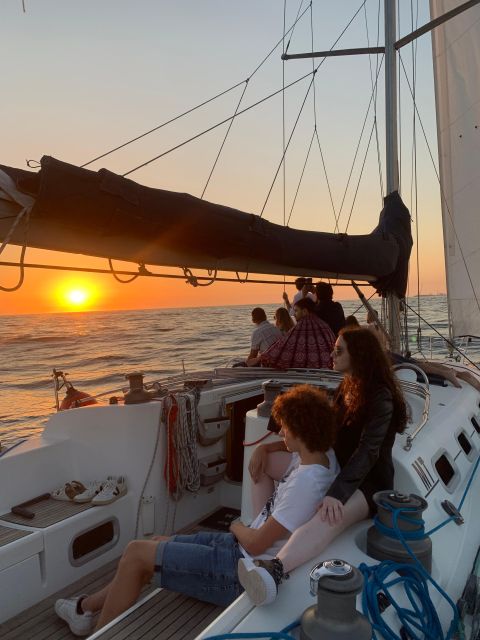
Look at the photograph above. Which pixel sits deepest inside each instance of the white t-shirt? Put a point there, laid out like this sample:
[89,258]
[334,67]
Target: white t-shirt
[296,498]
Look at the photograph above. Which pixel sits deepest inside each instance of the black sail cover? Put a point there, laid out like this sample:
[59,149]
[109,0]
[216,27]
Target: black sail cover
[99,213]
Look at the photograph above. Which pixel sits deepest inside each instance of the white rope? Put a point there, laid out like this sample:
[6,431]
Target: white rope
[185,444]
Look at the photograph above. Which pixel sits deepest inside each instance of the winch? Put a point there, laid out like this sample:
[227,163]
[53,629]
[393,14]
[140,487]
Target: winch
[336,584]
[382,541]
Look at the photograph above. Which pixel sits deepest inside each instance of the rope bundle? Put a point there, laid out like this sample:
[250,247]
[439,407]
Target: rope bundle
[182,467]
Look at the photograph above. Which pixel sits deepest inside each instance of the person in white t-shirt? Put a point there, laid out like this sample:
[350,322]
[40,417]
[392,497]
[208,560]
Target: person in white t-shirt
[204,565]
[264,335]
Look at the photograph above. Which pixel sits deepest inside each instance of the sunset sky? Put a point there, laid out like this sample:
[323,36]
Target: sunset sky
[85,77]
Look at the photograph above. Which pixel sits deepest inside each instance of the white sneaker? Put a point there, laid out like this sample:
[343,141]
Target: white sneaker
[91,490]
[112,489]
[260,579]
[80,624]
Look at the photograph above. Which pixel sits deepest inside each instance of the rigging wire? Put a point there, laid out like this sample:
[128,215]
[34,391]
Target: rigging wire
[315,133]
[304,101]
[414,182]
[114,273]
[375,90]
[198,106]
[450,343]
[262,211]
[152,274]
[194,280]
[24,215]
[164,124]
[224,139]
[21,278]
[327,180]
[336,229]
[301,178]
[215,126]
[442,193]
[222,93]
[360,177]
[161,155]
[360,140]
[283,111]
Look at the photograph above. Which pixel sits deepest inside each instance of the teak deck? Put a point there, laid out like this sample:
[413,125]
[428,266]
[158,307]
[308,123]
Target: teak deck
[165,616]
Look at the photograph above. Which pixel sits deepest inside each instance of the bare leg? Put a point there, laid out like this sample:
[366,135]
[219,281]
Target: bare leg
[134,570]
[95,601]
[312,538]
[262,490]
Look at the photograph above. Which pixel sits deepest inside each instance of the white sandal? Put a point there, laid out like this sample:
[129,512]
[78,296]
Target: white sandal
[69,490]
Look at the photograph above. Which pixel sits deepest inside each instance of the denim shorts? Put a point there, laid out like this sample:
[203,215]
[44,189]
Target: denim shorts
[202,565]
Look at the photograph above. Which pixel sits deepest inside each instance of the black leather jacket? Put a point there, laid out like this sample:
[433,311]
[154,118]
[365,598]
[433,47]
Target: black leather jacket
[364,450]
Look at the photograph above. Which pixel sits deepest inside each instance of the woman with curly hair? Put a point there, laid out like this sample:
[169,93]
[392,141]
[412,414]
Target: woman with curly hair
[370,411]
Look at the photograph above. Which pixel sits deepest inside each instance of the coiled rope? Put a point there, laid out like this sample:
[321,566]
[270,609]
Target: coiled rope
[182,467]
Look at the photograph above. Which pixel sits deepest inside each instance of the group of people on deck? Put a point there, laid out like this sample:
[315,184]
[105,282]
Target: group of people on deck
[304,332]
[308,487]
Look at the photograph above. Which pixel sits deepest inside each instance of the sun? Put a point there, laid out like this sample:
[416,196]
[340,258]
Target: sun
[76,295]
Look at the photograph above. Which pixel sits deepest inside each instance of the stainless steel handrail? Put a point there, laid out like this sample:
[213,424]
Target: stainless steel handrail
[419,390]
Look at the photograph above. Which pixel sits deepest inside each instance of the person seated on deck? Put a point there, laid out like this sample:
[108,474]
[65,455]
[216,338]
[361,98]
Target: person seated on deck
[351,322]
[304,290]
[326,309]
[307,346]
[370,412]
[204,565]
[264,335]
[283,320]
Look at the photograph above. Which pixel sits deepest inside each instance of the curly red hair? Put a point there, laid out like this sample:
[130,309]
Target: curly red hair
[307,413]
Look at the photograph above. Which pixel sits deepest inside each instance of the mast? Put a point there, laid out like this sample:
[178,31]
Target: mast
[391,152]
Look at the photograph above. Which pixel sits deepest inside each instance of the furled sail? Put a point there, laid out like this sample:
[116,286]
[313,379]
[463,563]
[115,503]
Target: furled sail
[102,214]
[456,49]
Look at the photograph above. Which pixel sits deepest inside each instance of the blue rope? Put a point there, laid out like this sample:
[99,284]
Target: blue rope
[422,617]
[276,635]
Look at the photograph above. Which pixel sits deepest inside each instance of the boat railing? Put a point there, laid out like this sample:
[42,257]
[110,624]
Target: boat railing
[419,390]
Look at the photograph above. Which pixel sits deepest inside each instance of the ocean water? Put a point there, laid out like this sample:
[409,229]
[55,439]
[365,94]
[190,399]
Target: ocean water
[97,350]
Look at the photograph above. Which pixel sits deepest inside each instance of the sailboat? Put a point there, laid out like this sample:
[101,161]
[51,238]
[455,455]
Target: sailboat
[64,548]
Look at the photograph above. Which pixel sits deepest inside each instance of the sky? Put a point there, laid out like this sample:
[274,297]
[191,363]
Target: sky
[84,77]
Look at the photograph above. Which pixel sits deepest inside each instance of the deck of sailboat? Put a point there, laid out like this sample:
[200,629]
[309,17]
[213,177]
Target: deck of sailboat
[162,615]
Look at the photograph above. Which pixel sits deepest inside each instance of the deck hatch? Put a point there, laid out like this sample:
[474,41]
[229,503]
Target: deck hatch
[445,470]
[464,442]
[475,423]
